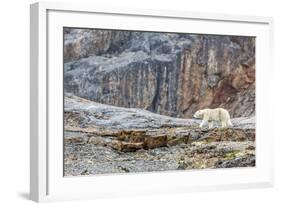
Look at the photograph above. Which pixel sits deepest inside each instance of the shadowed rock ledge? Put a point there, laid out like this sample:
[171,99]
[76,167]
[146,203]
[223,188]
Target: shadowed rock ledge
[102,138]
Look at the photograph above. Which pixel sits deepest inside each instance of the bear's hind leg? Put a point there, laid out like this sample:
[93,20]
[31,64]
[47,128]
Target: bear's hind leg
[229,124]
[223,124]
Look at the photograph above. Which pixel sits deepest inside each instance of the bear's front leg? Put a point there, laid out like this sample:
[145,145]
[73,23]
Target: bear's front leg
[211,124]
[202,124]
[204,120]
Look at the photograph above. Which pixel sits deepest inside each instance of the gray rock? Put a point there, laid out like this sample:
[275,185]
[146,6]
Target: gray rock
[245,161]
[84,113]
[101,139]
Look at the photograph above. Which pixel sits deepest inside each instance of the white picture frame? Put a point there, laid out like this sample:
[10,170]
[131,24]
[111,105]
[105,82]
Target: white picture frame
[46,50]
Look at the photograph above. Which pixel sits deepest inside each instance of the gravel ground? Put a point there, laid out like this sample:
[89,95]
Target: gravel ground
[90,159]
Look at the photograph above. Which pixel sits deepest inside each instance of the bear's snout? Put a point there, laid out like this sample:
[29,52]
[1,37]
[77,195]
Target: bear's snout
[195,115]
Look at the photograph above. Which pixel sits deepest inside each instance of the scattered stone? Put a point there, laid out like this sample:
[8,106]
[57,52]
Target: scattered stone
[175,140]
[76,140]
[241,161]
[126,146]
[151,142]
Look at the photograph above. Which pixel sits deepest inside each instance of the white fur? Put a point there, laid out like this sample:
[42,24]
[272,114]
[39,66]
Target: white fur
[214,115]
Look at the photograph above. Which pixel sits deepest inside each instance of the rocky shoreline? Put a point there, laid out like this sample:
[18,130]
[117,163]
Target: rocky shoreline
[104,139]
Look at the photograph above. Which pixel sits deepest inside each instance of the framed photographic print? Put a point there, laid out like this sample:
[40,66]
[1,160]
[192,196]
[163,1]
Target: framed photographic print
[128,101]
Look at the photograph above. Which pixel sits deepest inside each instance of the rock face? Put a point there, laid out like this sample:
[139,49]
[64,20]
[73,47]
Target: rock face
[165,73]
[101,138]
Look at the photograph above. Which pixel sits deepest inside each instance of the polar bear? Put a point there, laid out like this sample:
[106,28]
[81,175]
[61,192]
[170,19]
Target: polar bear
[214,115]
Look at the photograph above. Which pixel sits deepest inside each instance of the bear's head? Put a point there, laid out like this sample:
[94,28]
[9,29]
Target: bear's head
[199,114]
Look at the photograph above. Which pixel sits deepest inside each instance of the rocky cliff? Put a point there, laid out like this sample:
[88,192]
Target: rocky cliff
[166,73]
